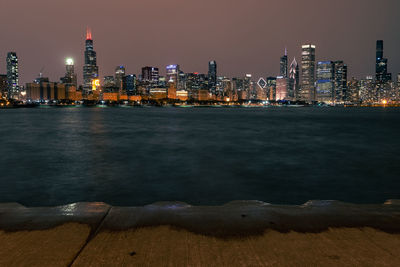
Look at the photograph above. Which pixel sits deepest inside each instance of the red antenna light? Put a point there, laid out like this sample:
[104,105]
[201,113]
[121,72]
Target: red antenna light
[88,34]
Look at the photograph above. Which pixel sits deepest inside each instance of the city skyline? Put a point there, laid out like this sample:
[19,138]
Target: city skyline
[203,43]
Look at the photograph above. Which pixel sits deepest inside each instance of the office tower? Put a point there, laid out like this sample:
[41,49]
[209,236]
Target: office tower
[367,92]
[12,75]
[150,74]
[172,75]
[294,79]
[284,65]
[271,88]
[212,75]
[307,90]
[325,82]
[119,77]
[3,85]
[340,79]
[130,84]
[90,69]
[382,75]
[109,85]
[353,94]
[282,87]
[70,78]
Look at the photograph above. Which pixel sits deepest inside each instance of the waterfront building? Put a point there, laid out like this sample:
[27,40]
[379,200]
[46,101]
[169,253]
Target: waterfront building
[353,95]
[45,91]
[70,78]
[381,68]
[90,68]
[282,86]
[119,78]
[212,75]
[271,88]
[12,76]
[294,78]
[130,84]
[367,90]
[172,74]
[325,82]
[340,80]
[284,65]
[109,85]
[3,85]
[307,90]
[150,74]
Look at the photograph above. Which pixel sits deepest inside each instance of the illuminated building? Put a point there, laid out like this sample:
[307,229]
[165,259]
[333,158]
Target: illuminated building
[158,93]
[282,88]
[271,88]
[340,80]
[172,74]
[109,84]
[325,82]
[307,90]
[46,91]
[294,79]
[284,65]
[90,69]
[182,95]
[150,74]
[95,85]
[130,84]
[382,75]
[367,90]
[70,78]
[12,75]
[3,85]
[212,75]
[353,94]
[119,78]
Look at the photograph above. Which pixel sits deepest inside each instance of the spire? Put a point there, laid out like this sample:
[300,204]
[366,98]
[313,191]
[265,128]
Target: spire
[294,62]
[285,51]
[88,34]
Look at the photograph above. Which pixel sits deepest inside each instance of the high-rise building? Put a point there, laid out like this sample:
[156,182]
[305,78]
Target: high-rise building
[340,79]
[271,88]
[12,75]
[282,86]
[307,90]
[130,84]
[90,69]
[212,75]
[70,78]
[119,77]
[3,85]
[382,75]
[172,73]
[294,78]
[150,74]
[284,65]
[325,82]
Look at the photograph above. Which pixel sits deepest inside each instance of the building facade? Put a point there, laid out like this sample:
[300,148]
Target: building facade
[307,89]
[12,76]
[325,82]
[90,68]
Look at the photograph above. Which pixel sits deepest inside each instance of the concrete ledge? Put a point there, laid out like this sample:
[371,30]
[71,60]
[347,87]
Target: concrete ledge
[240,233]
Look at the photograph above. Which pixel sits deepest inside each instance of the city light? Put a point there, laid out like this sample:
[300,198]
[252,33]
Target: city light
[69,61]
[95,84]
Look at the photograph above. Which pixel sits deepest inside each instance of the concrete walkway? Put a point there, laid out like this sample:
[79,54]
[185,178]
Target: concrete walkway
[176,234]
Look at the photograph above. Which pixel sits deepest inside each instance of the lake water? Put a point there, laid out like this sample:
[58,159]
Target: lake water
[202,156]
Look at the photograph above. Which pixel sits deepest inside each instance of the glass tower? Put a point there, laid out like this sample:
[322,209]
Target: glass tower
[90,69]
[12,75]
[307,90]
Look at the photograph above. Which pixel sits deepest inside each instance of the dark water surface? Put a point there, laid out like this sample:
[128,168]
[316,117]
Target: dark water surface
[210,156]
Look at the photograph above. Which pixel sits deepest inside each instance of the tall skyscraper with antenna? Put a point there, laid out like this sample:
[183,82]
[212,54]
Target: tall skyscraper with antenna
[90,69]
[284,65]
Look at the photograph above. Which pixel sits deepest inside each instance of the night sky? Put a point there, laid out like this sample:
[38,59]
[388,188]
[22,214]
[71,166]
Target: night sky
[243,36]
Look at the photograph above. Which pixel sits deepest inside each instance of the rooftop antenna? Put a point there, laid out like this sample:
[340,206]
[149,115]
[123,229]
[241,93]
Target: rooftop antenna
[41,72]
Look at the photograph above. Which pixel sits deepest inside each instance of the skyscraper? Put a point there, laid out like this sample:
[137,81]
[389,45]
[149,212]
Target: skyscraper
[70,78]
[172,74]
[119,77]
[325,82]
[90,69]
[130,84]
[150,74]
[294,78]
[284,65]
[382,75]
[307,90]
[212,75]
[12,75]
[340,78]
